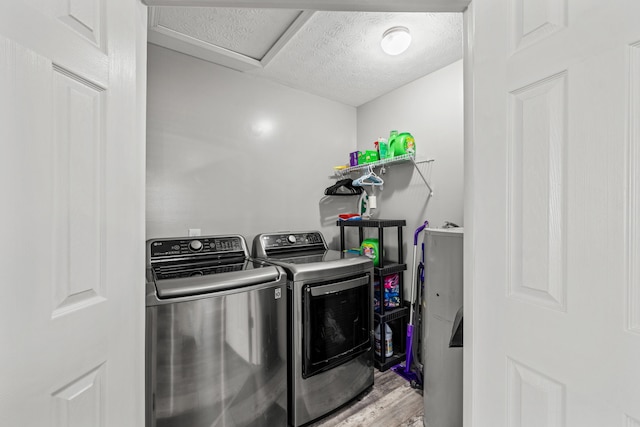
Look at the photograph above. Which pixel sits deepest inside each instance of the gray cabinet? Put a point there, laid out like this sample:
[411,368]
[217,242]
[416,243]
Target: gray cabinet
[441,302]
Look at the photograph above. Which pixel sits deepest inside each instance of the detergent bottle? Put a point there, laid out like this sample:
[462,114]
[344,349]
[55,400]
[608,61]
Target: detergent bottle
[388,335]
[403,143]
[392,139]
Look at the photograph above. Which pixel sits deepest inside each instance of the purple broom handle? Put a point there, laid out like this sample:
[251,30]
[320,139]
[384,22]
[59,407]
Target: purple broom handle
[418,231]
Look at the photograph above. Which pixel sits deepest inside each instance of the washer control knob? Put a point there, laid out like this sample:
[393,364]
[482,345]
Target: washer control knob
[195,245]
[291,239]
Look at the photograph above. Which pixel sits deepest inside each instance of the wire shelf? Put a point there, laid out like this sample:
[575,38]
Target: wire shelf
[397,159]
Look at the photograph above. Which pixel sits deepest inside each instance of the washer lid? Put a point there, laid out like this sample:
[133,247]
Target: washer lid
[202,267]
[225,281]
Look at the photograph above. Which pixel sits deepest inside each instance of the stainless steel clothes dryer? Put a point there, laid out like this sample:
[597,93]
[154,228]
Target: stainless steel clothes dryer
[216,349]
[330,313]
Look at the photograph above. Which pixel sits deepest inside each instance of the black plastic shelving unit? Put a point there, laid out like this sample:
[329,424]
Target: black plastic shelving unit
[396,318]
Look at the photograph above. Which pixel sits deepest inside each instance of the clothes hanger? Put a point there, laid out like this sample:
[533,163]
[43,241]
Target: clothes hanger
[343,187]
[375,179]
[369,178]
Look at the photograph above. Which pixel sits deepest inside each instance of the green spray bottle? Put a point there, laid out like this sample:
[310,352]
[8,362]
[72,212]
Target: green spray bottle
[383,148]
[392,139]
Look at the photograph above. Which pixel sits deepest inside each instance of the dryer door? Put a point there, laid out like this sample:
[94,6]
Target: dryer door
[337,323]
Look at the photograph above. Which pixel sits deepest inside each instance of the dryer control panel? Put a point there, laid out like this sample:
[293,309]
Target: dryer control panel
[289,241]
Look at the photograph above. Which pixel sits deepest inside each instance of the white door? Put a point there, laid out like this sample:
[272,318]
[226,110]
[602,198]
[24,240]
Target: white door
[552,304]
[72,186]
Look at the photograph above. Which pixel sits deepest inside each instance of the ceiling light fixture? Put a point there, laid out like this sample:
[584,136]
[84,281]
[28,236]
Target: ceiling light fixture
[395,40]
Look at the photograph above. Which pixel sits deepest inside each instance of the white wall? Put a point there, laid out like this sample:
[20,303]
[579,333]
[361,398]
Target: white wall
[431,109]
[211,166]
[232,153]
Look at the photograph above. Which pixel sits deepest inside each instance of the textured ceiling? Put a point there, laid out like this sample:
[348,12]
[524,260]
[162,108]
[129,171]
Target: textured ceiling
[335,55]
[251,32]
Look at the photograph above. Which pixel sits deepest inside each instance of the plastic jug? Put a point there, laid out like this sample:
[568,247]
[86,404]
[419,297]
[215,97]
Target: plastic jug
[388,336]
[403,144]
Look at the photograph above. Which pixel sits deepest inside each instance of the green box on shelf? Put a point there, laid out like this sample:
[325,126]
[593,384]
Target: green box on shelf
[368,156]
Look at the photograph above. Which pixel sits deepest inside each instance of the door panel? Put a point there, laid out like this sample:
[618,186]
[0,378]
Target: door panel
[537,193]
[83,16]
[633,306]
[78,191]
[552,286]
[73,242]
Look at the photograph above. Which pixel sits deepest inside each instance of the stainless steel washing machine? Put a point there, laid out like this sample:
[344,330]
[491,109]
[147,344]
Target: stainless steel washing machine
[216,351]
[330,313]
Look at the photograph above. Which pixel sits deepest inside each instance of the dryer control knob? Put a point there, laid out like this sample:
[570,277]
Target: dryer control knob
[195,245]
[291,239]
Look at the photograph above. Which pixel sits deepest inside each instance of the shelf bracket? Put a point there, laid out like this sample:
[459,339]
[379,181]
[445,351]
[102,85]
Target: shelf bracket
[415,165]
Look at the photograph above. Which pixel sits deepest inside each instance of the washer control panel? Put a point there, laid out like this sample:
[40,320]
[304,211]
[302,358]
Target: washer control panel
[200,245]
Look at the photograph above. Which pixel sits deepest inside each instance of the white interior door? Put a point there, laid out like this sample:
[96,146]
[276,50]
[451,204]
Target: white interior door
[72,180]
[552,305]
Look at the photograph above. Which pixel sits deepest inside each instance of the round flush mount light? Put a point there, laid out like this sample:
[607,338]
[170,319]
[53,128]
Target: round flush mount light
[395,40]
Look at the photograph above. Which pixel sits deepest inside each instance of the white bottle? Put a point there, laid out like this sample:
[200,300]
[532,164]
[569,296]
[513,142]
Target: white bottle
[388,351]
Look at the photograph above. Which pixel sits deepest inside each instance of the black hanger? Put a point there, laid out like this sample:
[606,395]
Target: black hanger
[343,187]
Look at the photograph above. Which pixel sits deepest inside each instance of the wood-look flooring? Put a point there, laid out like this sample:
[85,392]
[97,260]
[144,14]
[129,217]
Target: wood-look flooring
[391,402]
